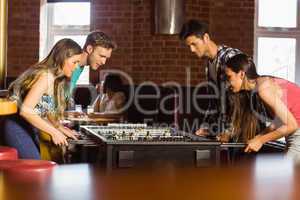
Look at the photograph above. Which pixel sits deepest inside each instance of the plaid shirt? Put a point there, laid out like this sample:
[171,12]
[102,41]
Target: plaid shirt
[215,72]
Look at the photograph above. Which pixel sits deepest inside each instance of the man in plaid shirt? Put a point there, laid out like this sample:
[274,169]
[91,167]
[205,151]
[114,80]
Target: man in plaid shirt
[195,34]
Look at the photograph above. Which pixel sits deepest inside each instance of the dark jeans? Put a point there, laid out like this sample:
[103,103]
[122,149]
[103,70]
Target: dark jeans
[18,133]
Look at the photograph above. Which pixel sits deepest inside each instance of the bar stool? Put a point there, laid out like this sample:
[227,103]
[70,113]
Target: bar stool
[7,107]
[27,170]
[8,153]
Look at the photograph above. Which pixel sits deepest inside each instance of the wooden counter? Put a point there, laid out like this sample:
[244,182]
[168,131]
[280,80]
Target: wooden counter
[261,178]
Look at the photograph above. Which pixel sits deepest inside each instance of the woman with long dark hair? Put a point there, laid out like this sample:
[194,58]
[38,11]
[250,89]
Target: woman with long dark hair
[281,98]
[42,93]
[113,98]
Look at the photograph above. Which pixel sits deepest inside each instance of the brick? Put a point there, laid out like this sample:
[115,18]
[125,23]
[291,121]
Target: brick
[142,54]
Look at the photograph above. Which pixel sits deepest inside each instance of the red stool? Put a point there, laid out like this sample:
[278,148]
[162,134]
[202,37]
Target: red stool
[27,170]
[8,153]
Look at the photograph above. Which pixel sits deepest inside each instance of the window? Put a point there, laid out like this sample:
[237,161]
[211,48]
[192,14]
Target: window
[64,19]
[277,38]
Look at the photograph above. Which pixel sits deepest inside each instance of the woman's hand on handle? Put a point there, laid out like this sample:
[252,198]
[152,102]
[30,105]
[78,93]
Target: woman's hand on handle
[255,144]
[59,139]
[202,132]
[223,137]
[68,132]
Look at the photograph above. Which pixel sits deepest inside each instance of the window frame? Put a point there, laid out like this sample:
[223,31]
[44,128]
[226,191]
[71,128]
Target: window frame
[279,32]
[51,30]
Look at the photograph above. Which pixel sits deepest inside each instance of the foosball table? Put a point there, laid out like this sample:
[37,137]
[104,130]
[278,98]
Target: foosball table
[125,145]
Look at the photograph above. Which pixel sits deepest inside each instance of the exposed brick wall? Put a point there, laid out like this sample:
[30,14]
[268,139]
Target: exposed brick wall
[232,23]
[115,17]
[142,54]
[23,35]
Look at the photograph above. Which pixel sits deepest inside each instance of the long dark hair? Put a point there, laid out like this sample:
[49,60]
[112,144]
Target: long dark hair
[113,83]
[242,62]
[245,104]
[53,64]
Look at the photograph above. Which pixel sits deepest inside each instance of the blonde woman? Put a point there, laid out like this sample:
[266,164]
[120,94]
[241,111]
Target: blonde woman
[42,94]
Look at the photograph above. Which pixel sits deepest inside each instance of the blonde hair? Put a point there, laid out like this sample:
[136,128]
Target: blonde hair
[53,64]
